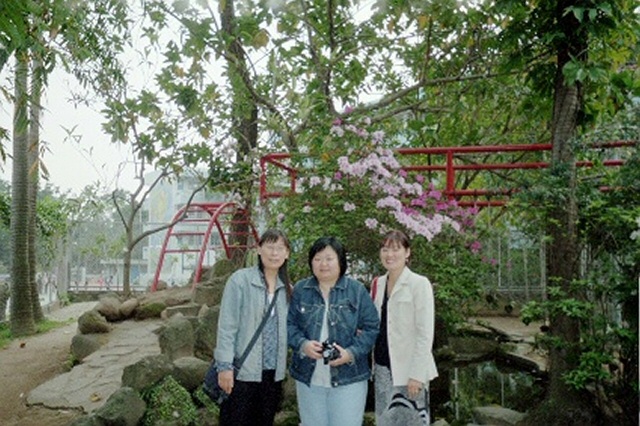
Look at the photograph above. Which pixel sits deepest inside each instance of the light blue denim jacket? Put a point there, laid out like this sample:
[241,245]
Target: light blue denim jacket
[353,324]
[242,307]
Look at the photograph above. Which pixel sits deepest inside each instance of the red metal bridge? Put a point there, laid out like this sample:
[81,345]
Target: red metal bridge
[207,230]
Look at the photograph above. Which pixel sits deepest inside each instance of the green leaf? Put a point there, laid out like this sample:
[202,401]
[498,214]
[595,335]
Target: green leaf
[578,12]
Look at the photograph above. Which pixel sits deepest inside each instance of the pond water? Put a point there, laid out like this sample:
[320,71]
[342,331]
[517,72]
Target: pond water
[462,387]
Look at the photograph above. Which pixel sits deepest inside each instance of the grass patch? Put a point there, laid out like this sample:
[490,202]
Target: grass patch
[41,328]
[5,334]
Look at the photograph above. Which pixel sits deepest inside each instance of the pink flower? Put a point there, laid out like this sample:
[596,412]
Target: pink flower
[314,180]
[337,176]
[377,136]
[434,194]
[420,202]
[336,131]
[441,206]
[408,210]
[349,207]
[371,223]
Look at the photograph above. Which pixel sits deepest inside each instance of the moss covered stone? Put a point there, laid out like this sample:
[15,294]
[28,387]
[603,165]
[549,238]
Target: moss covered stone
[169,403]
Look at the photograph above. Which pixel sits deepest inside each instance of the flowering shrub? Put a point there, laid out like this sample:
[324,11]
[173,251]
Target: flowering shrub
[353,187]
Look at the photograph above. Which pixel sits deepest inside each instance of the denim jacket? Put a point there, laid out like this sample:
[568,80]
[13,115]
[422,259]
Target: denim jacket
[353,324]
[241,310]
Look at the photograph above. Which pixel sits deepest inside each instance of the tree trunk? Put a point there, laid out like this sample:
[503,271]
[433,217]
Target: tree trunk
[629,356]
[22,322]
[35,109]
[126,273]
[245,125]
[126,267]
[563,404]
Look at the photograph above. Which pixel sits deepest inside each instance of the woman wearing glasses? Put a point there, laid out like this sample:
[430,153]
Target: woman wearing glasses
[254,395]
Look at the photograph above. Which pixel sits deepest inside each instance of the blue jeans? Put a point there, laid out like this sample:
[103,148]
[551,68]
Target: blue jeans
[338,406]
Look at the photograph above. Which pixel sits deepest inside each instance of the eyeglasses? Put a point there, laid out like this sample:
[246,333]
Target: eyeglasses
[274,248]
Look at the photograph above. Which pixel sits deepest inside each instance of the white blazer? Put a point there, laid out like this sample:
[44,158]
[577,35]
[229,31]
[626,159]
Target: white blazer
[410,327]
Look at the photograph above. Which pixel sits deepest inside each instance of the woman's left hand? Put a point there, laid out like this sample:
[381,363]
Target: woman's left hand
[413,388]
[345,357]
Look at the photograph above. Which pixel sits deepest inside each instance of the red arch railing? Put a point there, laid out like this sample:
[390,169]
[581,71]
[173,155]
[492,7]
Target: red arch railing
[200,220]
[450,161]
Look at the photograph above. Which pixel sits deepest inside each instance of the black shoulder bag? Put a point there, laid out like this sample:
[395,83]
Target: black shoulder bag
[210,385]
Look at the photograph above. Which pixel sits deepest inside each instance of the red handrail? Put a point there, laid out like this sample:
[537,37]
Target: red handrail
[450,167]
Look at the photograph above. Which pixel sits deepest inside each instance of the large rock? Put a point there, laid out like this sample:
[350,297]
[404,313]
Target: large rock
[83,345]
[149,310]
[176,337]
[209,289]
[128,307]
[86,421]
[147,372]
[188,310]
[169,404]
[125,407]
[109,307]
[222,269]
[206,295]
[496,415]
[152,304]
[92,322]
[190,371]
[206,332]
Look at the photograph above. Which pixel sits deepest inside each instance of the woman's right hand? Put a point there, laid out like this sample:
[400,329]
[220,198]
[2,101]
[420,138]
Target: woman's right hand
[312,349]
[225,380]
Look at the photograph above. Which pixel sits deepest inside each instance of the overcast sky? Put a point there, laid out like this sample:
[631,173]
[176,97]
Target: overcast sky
[73,163]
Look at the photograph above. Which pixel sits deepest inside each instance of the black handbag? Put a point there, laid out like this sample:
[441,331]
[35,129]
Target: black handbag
[211,386]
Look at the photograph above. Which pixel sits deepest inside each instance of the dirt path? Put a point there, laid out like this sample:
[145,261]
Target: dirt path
[29,362]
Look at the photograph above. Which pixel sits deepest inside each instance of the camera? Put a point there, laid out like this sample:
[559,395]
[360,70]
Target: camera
[329,352]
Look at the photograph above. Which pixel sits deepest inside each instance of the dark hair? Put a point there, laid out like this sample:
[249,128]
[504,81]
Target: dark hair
[324,242]
[395,237]
[273,235]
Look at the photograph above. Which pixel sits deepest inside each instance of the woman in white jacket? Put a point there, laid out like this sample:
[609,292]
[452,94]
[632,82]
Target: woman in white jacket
[404,363]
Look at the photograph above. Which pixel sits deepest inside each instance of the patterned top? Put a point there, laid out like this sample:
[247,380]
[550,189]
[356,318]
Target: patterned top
[270,338]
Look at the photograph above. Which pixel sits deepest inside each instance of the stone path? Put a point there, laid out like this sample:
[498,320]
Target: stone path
[88,385]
